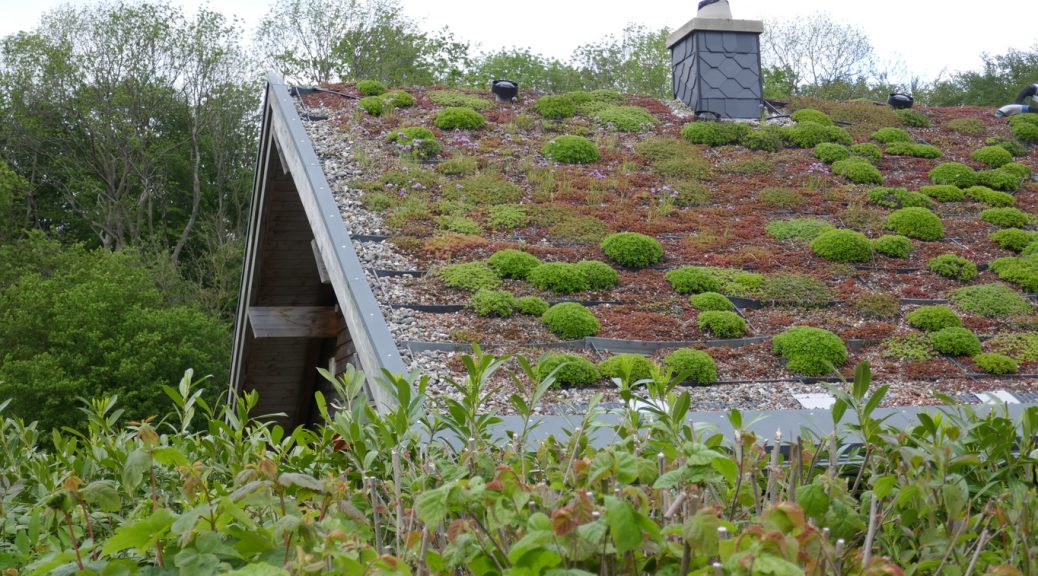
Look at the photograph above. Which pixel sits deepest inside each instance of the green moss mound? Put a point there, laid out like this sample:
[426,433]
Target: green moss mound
[990,301]
[696,366]
[627,367]
[893,246]
[469,276]
[798,229]
[765,139]
[599,275]
[714,133]
[459,118]
[999,179]
[373,105]
[711,301]
[808,134]
[913,149]
[888,135]
[371,88]
[1025,127]
[812,115]
[829,152]
[995,363]
[571,149]
[1022,271]
[531,305]
[632,250]
[558,277]
[571,371]
[842,246]
[1013,239]
[992,156]
[933,318]
[899,198]
[455,99]
[954,174]
[868,151]
[692,280]
[913,118]
[1006,217]
[915,222]
[858,170]
[1017,169]
[810,351]
[955,341]
[944,192]
[626,118]
[722,324]
[397,99]
[953,266]
[415,140]
[555,107]
[511,263]
[569,321]
[500,303]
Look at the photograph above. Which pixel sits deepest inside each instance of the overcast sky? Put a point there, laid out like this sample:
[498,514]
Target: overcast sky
[926,36]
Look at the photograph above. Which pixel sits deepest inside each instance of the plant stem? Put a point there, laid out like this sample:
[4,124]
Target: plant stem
[976,553]
[399,502]
[75,544]
[90,530]
[871,533]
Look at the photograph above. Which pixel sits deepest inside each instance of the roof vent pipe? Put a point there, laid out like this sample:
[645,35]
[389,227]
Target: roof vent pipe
[900,101]
[714,9]
[1018,106]
[505,90]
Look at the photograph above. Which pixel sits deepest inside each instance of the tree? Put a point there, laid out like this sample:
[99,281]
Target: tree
[528,69]
[997,83]
[816,55]
[298,37]
[638,62]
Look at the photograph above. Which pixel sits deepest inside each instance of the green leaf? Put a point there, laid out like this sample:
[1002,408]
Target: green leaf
[431,505]
[883,485]
[623,524]
[120,567]
[104,494]
[956,494]
[813,499]
[137,463]
[140,535]
[301,480]
[259,569]
[626,467]
[727,467]
[169,456]
[670,479]
[775,566]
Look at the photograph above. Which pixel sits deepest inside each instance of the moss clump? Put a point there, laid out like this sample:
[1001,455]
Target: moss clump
[953,173]
[571,371]
[569,320]
[1013,239]
[842,246]
[809,134]
[513,263]
[735,281]
[888,135]
[913,118]
[687,194]
[912,149]
[684,169]
[966,126]
[695,365]
[459,224]
[933,318]
[953,266]
[877,305]
[893,246]
[632,250]
[899,198]
[1022,271]
[944,192]
[829,152]
[868,151]
[810,351]
[995,363]
[415,140]
[371,88]
[990,301]
[858,170]
[955,341]
[469,276]
[571,149]
[784,198]
[992,156]
[1020,346]
[793,289]
[722,324]
[373,105]
[912,346]
[1025,127]
[692,280]
[917,223]
[1012,146]
[508,216]
[998,179]
[500,303]
[714,133]
[558,277]
[579,229]
[461,118]
[1006,217]
[397,99]
[626,118]
[555,107]
[454,99]
[1017,169]
[812,115]
[627,367]
[767,139]
[599,275]
[711,301]
[531,305]
[659,149]
[484,189]
[457,166]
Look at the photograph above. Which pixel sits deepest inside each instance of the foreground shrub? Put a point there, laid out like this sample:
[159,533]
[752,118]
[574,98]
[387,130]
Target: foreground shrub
[555,107]
[513,263]
[994,363]
[990,301]
[992,156]
[692,280]
[708,301]
[531,305]
[469,276]
[627,367]
[955,341]
[1022,271]
[916,222]
[462,118]
[632,250]
[571,371]
[798,229]
[810,351]
[569,321]
[722,324]
[1006,217]
[953,173]
[842,246]
[499,303]
[371,87]
[858,170]
[933,318]
[714,133]
[953,266]
[697,366]
[893,246]
[571,150]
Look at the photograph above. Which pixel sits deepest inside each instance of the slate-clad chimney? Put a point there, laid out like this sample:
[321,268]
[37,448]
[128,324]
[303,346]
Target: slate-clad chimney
[716,62]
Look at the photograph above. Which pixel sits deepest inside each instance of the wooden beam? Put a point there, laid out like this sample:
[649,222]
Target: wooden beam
[321,270]
[294,321]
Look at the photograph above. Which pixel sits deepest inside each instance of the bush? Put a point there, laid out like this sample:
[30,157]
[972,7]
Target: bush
[1022,271]
[1024,127]
[714,133]
[767,139]
[722,324]
[858,170]
[868,151]
[1013,239]
[829,152]
[555,107]
[371,87]
[508,216]
[632,250]
[627,367]
[999,179]
[469,276]
[812,115]
[499,303]
[793,289]
[955,341]
[916,222]
[420,142]
[569,321]
[373,105]
[397,99]
[994,363]
[913,118]
[992,156]
[842,246]
[571,150]
[484,189]
[711,301]
[888,135]
[809,134]
[967,126]
[1006,217]
[810,351]
[454,99]
[463,118]
[531,305]
[944,192]
[513,263]
[912,149]
[697,366]
[953,266]
[953,173]
[573,371]
[899,198]
[990,301]
[626,118]
[933,318]
[877,305]
[692,280]
[893,246]
[599,275]
[559,277]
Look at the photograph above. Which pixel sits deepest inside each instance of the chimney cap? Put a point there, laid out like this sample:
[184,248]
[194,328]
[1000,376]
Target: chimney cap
[714,9]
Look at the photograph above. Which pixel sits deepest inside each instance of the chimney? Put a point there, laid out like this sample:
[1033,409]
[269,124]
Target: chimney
[715,63]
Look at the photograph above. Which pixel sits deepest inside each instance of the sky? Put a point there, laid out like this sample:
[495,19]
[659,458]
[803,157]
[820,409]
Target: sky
[920,38]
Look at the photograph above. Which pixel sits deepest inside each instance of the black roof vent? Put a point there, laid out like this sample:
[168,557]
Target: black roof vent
[899,101]
[505,90]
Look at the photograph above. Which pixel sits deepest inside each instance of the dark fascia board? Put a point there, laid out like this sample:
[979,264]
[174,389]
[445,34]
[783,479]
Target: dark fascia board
[375,345]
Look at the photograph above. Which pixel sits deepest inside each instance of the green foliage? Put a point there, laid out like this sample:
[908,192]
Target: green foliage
[571,371]
[463,118]
[692,280]
[687,194]
[508,216]
[784,198]
[994,363]
[899,148]
[571,150]
[990,301]
[810,351]
[531,305]
[697,366]
[627,367]
[1022,271]
[658,149]
[794,289]
[916,222]
[714,133]
[766,138]
[632,250]
[459,224]
[954,174]
[868,151]
[709,301]
[500,303]
[913,118]
[888,135]
[582,229]
[842,246]
[944,192]
[1014,147]
[1025,127]
[455,99]
[398,99]
[484,189]
[722,324]
[555,107]
[373,105]
[858,170]
[599,275]
[933,318]
[683,169]
[953,266]
[1021,171]
[559,277]
[877,305]
[371,88]
[809,134]
[829,152]
[569,321]
[812,115]
[1013,239]
[469,276]
[955,341]
[512,263]
[1007,217]
[966,126]
[899,198]
[626,118]
[1020,346]
[992,156]
[416,140]
[893,246]
[999,179]
[912,346]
